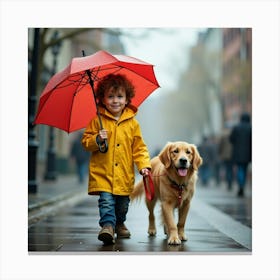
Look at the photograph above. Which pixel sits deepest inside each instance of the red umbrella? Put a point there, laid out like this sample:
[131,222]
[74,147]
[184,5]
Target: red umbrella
[68,100]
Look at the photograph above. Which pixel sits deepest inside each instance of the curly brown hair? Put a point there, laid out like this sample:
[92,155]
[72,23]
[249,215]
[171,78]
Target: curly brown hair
[116,81]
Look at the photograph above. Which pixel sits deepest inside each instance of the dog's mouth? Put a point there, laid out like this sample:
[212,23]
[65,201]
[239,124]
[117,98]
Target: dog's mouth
[182,171]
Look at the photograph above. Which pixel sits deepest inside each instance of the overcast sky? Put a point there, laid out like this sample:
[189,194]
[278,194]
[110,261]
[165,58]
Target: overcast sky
[166,48]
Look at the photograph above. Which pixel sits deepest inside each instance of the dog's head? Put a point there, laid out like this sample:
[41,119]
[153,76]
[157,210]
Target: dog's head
[181,156]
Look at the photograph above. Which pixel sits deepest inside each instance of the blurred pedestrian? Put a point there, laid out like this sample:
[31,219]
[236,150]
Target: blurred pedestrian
[225,155]
[111,174]
[241,139]
[207,152]
[216,162]
[81,158]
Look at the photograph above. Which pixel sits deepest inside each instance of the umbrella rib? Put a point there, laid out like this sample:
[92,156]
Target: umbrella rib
[73,97]
[80,77]
[72,81]
[94,73]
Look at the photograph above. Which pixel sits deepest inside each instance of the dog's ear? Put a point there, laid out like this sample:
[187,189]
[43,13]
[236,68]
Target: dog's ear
[164,155]
[197,159]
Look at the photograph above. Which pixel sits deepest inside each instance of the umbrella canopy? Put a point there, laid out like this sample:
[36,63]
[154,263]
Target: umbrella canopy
[68,102]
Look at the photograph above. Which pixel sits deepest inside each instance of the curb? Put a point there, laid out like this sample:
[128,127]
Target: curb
[41,210]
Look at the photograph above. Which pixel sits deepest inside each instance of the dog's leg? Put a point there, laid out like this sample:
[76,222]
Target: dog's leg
[168,216]
[152,225]
[183,213]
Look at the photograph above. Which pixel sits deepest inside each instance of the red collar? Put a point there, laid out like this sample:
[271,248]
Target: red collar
[179,188]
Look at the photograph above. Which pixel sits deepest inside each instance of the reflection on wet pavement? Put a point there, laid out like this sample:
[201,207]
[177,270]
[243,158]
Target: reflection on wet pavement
[75,230]
[241,213]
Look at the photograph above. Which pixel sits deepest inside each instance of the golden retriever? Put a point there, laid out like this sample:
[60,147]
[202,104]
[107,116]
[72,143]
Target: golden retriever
[174,173]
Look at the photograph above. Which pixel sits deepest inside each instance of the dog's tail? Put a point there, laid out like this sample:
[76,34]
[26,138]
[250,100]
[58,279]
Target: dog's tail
[138,191]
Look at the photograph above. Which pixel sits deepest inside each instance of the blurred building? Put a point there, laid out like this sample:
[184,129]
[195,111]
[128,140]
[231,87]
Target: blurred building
[218,80]
[237,72]
[220,77]
[212,42]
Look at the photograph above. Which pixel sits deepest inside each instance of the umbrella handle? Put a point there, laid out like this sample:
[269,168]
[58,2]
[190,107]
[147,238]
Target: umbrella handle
[103,147]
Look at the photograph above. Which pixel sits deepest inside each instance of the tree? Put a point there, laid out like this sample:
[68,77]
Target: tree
[47,41]
[237,80]
[201,86]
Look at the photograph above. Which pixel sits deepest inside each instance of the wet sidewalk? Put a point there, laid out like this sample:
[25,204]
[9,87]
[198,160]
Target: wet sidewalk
[63,218]
[51,196]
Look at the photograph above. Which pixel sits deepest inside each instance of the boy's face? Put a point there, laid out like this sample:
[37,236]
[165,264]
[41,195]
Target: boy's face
[115,101]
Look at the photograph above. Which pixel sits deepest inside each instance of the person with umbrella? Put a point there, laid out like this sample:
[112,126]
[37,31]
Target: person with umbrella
[69,102]
[111,174]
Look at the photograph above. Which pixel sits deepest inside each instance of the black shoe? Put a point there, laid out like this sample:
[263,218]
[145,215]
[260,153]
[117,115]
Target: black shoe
[240,193]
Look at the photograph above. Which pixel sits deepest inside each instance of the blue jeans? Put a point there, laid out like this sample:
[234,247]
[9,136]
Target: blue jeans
[242,174]
[229,173]
[112,209]
[81,170]
[205,174]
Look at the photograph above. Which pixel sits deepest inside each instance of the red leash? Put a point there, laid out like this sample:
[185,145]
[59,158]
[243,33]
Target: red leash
[149,187]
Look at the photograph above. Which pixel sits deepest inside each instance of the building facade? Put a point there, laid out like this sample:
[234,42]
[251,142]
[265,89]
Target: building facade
[237,73]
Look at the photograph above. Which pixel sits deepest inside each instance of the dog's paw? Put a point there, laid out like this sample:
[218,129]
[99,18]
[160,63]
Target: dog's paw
[152,232]
[174,240]
[183,237]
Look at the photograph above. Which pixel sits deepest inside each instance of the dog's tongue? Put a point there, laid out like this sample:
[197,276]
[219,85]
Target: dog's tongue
[182,172]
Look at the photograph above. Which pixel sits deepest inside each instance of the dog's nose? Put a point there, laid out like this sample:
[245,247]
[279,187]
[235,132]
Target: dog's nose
[183,161]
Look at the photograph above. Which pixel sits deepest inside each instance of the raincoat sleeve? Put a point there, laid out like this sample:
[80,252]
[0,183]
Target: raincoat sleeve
[90,135]
[140,151]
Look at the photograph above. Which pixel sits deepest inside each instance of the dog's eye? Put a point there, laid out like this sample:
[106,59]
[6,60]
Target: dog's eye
[188,152]
[176,151]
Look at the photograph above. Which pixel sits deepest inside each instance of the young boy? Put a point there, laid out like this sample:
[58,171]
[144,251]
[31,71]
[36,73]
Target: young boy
[111,174]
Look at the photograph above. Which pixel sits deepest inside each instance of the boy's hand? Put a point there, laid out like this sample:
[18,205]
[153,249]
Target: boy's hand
[102,135]
[144,172]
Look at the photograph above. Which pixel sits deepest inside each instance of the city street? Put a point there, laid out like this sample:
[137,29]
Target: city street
[218,222]
[204,72]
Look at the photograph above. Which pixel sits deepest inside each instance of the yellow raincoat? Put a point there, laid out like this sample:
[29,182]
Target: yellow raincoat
[113,171]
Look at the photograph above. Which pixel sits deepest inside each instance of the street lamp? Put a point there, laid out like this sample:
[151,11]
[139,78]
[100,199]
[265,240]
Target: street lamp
[51,173]
[32,142]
